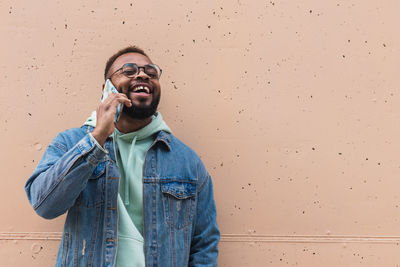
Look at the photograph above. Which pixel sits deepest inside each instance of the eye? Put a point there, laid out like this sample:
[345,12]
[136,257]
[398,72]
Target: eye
[151,71]
[129,71]
[152,75]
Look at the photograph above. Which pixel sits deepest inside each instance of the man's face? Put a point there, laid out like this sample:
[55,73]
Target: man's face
[144,104]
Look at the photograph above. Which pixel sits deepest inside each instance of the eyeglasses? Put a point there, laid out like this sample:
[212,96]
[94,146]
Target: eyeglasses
[131,69]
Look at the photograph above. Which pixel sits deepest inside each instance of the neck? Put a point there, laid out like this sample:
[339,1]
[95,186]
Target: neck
[127,124]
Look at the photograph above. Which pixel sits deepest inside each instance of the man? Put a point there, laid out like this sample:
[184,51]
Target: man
[135,195]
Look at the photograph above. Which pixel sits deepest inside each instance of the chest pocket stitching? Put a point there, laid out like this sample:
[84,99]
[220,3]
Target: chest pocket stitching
[179,202]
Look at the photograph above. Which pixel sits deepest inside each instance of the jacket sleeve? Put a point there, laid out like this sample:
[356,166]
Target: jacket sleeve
[61,175]
[204,246]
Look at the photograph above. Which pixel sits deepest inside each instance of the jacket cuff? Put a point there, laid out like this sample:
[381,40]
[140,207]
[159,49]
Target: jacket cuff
[95,152]
[97,143]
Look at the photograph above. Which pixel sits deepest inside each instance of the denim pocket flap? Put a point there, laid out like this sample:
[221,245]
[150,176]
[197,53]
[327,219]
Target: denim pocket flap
[99,170]
[179,190]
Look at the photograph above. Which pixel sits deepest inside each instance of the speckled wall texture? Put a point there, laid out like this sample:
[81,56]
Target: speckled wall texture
[294,107]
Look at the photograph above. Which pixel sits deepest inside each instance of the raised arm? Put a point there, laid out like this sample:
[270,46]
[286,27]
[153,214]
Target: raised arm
[62,174]
[69,161]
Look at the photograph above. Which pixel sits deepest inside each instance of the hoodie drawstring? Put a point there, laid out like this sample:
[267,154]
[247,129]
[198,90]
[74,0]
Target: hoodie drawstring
[126,197]
[126,185]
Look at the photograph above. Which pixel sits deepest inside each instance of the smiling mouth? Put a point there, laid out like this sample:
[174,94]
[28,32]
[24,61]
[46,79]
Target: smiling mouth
[141,89]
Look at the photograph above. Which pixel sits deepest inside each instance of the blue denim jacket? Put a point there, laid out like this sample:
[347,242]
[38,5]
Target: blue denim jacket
[74,175]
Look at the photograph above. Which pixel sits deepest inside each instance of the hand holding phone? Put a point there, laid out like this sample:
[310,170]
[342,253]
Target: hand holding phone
[112,103]
[109,88]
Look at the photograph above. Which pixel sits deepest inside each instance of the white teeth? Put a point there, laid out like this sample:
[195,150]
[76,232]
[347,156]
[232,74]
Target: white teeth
[142,88]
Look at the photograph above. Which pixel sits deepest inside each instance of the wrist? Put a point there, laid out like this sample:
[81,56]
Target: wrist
[99,136]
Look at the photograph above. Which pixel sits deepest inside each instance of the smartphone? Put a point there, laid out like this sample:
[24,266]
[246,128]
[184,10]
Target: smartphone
[109,88]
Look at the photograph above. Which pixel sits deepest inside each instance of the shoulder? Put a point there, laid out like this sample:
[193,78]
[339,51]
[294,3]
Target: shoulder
[177,147]
[178,144]
[181,154]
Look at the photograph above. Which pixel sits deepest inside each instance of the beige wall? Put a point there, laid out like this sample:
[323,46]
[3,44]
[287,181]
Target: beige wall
[294,107]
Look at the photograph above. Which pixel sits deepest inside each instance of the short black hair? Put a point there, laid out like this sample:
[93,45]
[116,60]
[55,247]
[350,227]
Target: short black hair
[128,49]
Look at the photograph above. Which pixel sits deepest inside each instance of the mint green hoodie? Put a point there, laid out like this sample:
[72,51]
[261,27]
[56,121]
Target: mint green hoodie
[130,159]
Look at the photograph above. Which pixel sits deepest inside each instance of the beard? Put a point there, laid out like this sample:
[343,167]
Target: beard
[142,112]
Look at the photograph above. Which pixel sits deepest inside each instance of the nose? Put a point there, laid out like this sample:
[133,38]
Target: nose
[142,75]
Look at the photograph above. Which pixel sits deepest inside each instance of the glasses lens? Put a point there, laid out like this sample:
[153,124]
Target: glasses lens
[130,70]
[152,70]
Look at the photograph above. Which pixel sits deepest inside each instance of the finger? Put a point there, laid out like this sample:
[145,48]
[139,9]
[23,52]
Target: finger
[122,99]
[115,99]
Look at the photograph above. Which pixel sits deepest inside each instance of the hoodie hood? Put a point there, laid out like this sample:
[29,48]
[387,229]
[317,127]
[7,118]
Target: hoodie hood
[157,124]
[91,121]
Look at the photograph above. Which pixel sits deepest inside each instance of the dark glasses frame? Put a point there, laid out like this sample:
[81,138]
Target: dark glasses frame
[145,67]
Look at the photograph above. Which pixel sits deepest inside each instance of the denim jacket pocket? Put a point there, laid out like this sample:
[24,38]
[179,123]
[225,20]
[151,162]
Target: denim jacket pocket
[179,199]
[92,195]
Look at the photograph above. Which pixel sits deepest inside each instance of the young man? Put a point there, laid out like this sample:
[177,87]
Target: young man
[135,195]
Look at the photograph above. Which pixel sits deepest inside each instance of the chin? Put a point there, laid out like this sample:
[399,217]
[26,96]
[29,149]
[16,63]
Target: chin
[140,112]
